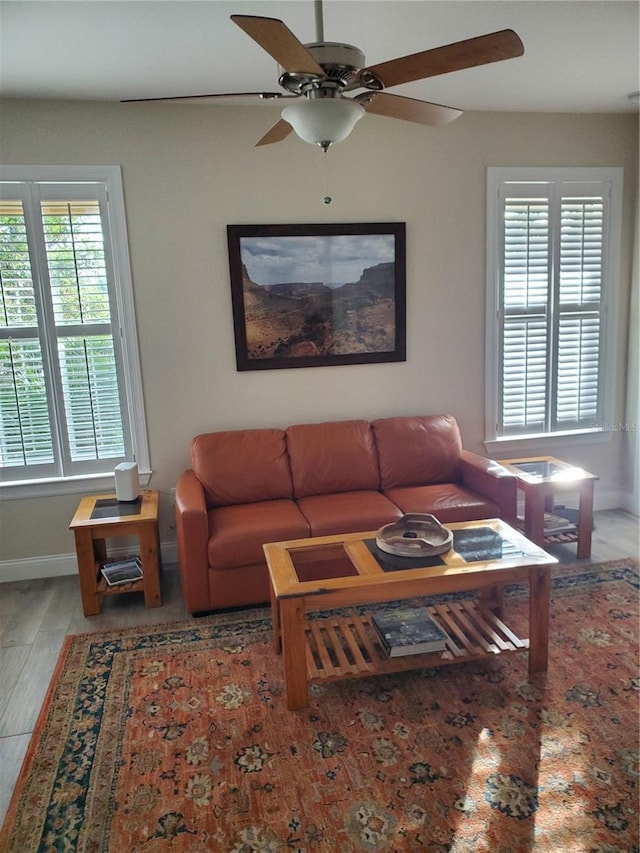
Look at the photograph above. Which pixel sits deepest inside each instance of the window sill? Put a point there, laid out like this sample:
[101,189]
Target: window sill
[64,486]
[532,445]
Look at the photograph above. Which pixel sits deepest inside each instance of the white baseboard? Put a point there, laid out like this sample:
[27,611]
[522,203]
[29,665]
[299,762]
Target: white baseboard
[613,500]
[32,568]
[631,503]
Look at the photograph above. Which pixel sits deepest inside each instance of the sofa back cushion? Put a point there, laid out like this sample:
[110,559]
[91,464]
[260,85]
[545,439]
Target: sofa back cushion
[242,466]
[415,451]
[339,456]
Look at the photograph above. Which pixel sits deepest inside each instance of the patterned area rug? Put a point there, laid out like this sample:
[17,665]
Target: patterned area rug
[178,738]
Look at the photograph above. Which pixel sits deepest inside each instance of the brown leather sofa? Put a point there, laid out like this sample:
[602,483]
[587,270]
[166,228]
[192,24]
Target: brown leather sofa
[248,487]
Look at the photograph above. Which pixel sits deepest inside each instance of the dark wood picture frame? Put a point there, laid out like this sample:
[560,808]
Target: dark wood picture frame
[318,295]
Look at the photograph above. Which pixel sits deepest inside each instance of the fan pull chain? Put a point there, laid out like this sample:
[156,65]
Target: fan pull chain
[327,198]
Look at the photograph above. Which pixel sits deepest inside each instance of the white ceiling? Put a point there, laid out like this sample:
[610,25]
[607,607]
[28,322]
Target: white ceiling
[580,55]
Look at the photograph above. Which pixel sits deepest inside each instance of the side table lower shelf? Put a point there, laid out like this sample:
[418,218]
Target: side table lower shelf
[104,588]
[348,646]
[560,538]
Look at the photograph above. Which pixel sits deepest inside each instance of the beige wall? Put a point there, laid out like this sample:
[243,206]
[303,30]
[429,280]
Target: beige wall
[188,171]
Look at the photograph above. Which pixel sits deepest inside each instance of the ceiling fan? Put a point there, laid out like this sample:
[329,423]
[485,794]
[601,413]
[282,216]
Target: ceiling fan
[319,76]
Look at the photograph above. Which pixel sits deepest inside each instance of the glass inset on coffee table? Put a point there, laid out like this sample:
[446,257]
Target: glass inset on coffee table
[331,572]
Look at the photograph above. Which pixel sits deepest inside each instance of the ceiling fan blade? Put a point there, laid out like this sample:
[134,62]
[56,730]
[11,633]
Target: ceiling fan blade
[264,96]
[276,133]
[277,39]
[409,109]
[481,50]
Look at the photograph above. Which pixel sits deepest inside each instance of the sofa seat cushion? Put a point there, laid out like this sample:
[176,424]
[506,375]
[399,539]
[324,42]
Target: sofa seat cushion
[241,466]
[416,451]
[347,512]
[332,457]
[447,501]
[239,532]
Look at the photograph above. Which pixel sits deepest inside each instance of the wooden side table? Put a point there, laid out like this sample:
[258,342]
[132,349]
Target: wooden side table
[540,478]
[101,517]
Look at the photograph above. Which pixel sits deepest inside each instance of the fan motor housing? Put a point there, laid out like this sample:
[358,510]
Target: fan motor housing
[340,62]
[333,53]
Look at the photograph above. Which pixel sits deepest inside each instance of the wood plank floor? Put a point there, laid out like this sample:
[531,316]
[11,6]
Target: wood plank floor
[36,615]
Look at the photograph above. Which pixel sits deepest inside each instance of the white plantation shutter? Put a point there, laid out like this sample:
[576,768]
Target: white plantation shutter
[581,249]
[578,371]
[549,277]
[524,297]
[524,386]
[64,390]
[25,435]
[86,359]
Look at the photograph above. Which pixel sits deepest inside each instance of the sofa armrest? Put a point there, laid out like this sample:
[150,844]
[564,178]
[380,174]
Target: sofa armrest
[192,530]
[489,478]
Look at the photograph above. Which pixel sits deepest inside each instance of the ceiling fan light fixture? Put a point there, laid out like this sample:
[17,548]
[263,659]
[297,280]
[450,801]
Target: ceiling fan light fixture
[322,72]
[323,121]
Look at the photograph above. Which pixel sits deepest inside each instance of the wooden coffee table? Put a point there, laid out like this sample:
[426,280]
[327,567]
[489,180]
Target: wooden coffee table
[331,572]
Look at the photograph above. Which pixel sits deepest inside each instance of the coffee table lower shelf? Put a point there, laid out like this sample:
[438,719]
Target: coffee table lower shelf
[348,646]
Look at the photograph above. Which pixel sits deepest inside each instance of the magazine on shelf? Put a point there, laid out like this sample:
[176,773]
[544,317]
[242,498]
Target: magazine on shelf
[122,571]
[409,631]
[557,524]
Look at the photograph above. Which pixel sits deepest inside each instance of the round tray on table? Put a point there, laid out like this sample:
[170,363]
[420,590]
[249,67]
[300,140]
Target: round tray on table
[414,535]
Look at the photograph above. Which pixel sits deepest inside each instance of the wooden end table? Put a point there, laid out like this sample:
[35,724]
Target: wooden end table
[101,517]
[540,478]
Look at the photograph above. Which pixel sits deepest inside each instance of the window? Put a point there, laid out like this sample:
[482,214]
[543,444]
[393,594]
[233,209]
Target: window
[70,390]
[553,243]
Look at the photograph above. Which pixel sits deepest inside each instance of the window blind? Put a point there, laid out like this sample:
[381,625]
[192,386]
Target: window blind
[62,405]
[76,261]
[550,307]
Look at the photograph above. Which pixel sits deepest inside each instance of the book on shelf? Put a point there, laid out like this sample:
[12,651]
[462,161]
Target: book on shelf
[409,631]
[557,524]
[122,571]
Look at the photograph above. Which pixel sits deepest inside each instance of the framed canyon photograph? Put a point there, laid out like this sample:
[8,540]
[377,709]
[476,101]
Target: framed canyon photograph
[318,295]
